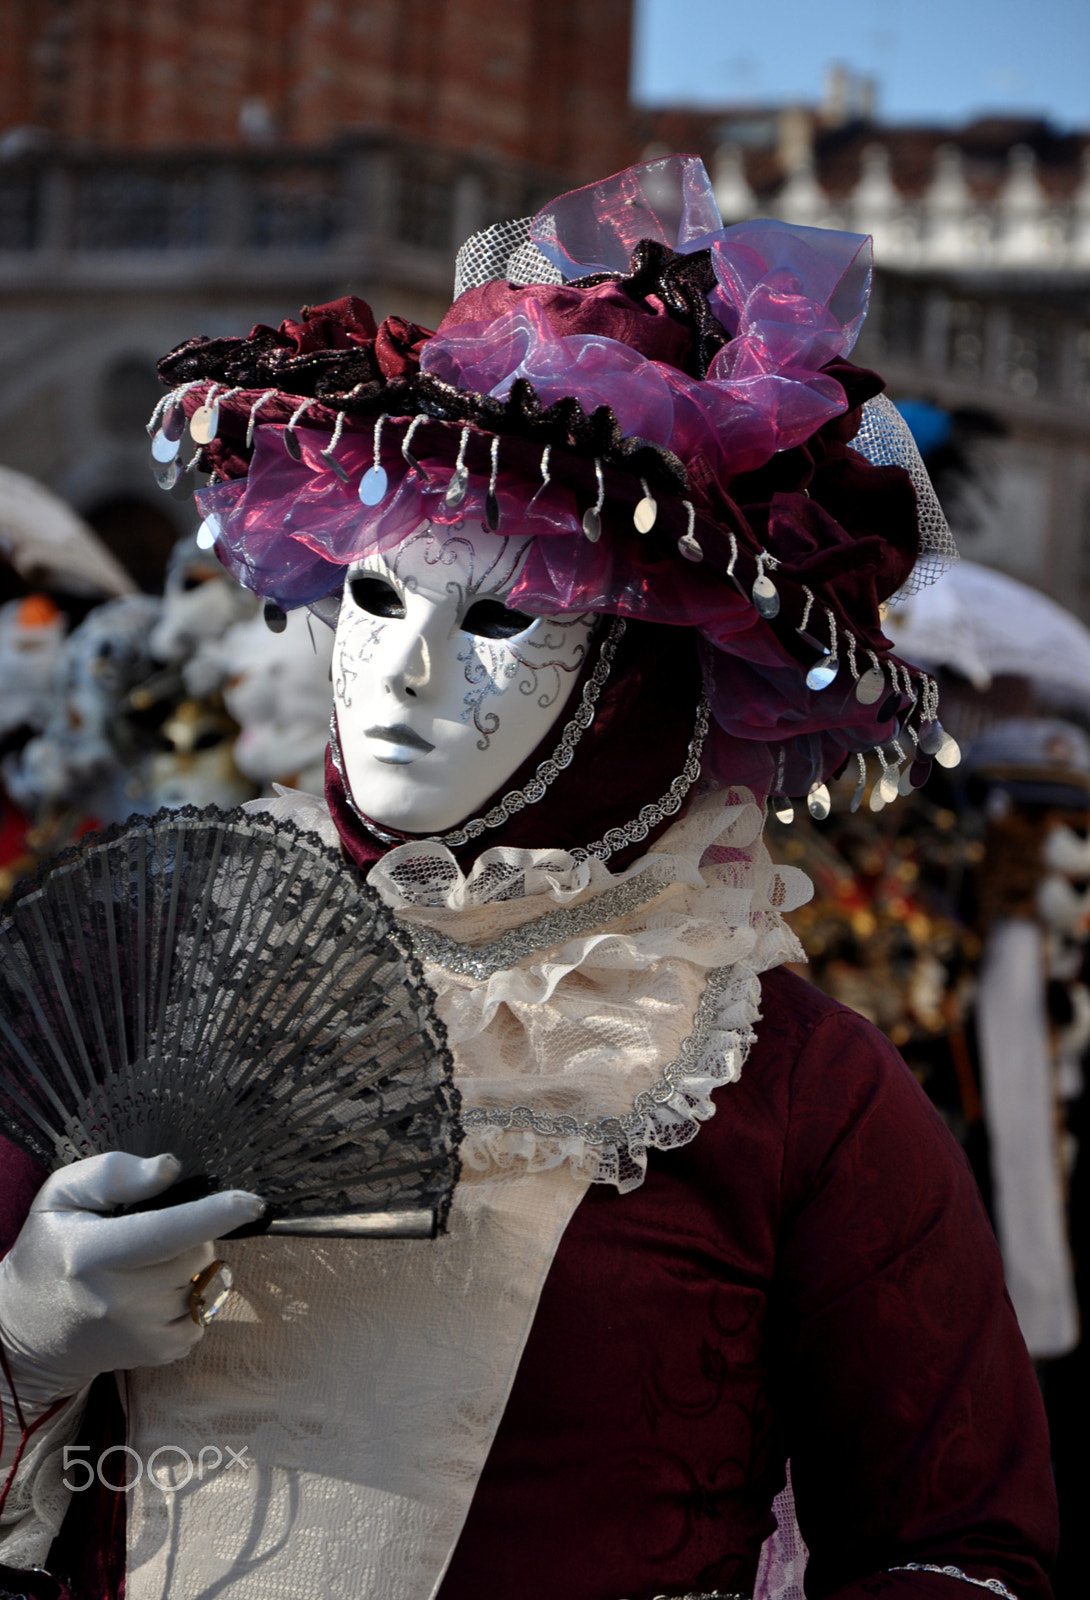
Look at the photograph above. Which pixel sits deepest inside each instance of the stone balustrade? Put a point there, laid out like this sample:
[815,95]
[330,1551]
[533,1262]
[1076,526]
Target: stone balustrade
[364,208]
[1019,226]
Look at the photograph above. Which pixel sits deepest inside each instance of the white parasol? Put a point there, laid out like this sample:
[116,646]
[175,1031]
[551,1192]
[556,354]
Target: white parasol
[49,544]
[981,622]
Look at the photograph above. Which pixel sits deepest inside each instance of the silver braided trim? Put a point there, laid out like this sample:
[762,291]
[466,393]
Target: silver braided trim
[548,771]
[634,1124]
[516,800]
[483,961]
[668,806]
[711,1594]
[993,1584]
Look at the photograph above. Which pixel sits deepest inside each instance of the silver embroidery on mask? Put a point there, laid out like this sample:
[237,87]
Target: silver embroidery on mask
[361,630]
[509,657]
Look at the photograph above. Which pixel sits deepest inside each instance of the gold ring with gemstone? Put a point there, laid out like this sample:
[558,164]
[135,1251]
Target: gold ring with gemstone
[207,1297]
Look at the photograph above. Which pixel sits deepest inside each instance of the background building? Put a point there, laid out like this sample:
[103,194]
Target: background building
[167,169]
[982,293]
[543,81]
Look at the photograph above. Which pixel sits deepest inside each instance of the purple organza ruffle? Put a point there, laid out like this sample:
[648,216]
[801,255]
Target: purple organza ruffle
[290,528]
[597,228]
[792,298]
[789,296]
[769,272]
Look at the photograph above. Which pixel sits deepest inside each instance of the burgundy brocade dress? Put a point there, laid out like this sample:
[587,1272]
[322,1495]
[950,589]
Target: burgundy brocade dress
[812,1277]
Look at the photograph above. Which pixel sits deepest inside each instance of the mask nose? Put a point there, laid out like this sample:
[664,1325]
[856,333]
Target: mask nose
[407,671]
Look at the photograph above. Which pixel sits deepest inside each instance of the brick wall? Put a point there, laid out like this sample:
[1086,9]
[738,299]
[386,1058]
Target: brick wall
[544,81]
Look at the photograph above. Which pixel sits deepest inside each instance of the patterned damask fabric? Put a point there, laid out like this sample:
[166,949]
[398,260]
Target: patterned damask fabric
[361,1384]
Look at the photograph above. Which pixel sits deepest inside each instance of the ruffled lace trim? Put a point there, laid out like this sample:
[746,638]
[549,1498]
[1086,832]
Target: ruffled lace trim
[669,1114]
[591,1015]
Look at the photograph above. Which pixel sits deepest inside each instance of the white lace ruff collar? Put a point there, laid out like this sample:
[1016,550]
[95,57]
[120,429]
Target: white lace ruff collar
[591,1014]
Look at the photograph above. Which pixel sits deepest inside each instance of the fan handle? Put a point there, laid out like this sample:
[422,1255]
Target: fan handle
[421,1224]
[416,1223]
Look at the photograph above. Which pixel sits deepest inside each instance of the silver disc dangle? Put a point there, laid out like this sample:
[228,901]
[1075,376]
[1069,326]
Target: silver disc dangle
[172,425]
[204,423]
[336,466]
[949,752]
[823,672]
[766,597]
[456,488]
[870,686]
[889,784]
[164,448]
[373,486]
[646,511]
[932,735]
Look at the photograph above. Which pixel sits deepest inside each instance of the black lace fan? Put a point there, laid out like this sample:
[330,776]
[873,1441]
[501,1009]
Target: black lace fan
[221,985]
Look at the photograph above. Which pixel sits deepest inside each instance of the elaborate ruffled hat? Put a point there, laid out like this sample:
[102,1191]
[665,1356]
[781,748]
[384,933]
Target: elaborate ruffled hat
[665,405]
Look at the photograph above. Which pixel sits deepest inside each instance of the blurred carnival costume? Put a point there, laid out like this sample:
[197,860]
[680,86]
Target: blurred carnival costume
[656,1287]
[1032,1005]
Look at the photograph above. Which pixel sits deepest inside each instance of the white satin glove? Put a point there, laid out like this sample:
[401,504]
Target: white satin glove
[82,1293]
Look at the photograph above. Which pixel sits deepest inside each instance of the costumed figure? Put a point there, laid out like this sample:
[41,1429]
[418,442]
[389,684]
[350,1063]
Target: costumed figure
[1032,1008]
[31,639]
[88,754]
[605,555]
[276,687]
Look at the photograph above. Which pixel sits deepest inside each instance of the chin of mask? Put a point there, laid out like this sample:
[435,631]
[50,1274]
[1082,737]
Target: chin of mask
[441,689]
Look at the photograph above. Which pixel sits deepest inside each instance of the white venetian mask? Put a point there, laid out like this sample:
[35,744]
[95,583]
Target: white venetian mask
[441,691]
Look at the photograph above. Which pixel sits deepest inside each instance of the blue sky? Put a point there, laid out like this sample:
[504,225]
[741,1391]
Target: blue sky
[935,60]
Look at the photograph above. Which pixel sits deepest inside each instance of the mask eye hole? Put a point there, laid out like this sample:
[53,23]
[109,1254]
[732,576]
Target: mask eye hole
[375,595]
[491,619]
